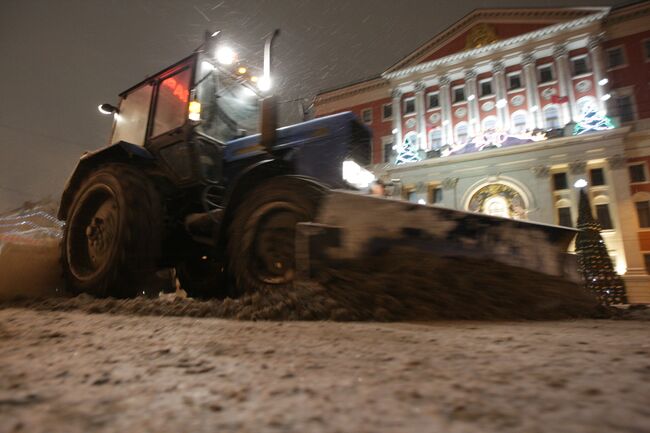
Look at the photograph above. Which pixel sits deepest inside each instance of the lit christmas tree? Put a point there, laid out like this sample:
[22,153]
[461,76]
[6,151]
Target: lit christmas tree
[594,262]
[408,150]
[592,121]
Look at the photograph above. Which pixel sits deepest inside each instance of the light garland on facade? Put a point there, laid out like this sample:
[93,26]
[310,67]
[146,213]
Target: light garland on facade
[593,121]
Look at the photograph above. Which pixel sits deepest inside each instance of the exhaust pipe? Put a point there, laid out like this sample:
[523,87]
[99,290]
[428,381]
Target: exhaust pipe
[269,108]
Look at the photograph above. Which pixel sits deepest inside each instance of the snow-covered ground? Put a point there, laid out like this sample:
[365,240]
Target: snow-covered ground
[77,372]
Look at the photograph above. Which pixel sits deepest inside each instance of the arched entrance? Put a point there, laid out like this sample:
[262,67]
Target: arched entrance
[499,200]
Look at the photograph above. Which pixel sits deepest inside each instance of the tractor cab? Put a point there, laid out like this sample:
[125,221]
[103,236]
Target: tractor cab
[186,113]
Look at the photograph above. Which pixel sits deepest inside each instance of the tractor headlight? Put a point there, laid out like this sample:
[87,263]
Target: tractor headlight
[356,175]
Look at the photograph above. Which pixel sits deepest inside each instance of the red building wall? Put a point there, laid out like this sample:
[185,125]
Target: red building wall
[379,127]
[636,73]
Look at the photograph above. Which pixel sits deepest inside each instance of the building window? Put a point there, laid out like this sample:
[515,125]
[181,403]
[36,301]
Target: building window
[489,123]
[412,196]
[552,117]
[560,181]
[646,49]
[387,148]
[435,139]
[519,121]
[486,87]
[461,133]
[545,73]
[646,257]
[387,112]
[637,173]
[514,81]
[580,65]
[615,57]
[597,176]
[624,106]
[602,214]
[435,195]
[366,116]
[459,94]
[409,106]
[564,217]
[643,212]
[433,100]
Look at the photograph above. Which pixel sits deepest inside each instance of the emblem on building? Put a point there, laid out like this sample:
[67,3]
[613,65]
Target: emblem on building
[548,93]
[460,112]
[410,123]
[434,118]
[487,106]
[480,35]
[517,100]
[583,86]
[498,200]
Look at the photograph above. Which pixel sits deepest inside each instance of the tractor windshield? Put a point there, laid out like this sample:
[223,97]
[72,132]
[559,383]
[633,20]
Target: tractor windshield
[229,108]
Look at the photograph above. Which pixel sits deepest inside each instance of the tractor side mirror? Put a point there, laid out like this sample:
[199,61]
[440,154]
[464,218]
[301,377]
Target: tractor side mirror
[107,109]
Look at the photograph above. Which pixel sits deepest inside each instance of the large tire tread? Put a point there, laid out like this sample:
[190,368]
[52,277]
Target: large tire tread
[295,189]
[139,245]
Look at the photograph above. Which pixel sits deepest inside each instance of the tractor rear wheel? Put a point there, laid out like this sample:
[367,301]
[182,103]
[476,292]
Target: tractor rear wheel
[261,241]
[111,240]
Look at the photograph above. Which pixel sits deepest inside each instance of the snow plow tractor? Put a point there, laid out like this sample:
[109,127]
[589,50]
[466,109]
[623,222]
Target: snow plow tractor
[198,178]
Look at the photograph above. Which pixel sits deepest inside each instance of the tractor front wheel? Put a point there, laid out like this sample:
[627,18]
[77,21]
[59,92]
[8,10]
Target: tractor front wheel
[261,244]
[111,239]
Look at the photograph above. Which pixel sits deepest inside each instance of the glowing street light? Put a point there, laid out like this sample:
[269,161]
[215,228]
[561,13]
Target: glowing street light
[580,183]
[603,81]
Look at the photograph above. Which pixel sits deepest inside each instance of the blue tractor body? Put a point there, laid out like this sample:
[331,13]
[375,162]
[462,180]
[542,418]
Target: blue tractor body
[315,148]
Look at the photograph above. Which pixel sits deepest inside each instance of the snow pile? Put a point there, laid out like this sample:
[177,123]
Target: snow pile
[29,251]
[379,289]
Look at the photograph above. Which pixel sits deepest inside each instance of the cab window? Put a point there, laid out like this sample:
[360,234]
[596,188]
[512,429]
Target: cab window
[171,103]
[131,122]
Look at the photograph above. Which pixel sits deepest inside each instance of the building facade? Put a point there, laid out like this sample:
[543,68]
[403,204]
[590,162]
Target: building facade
[504,111]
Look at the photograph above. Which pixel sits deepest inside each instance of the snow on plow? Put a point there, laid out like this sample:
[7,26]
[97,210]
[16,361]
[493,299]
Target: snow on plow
[353,227]
[29,253]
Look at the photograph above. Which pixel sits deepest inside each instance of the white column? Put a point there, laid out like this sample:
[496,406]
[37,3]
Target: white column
[472,105]
[637,281]
[445,108]
[503,114]
[397,115]
[568,110]
[532,93]
[596,52]
[420,109]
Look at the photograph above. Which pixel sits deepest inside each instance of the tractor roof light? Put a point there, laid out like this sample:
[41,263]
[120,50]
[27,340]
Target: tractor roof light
[264,83]
[225,55]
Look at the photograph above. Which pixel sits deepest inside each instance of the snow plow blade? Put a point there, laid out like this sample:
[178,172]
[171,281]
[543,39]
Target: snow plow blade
[351,227]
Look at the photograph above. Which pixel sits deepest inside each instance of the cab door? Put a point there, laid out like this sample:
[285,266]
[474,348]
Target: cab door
[169,130]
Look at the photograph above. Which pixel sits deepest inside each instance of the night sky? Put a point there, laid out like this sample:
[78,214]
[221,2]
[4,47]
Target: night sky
[60,59]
